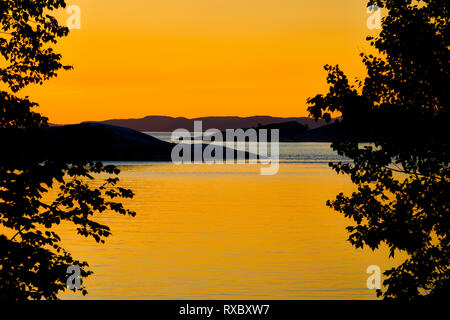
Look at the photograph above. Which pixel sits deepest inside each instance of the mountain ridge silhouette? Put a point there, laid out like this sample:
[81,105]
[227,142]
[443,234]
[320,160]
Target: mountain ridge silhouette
[167,124]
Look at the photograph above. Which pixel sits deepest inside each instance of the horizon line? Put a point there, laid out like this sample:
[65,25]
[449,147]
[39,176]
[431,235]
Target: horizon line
[183,117]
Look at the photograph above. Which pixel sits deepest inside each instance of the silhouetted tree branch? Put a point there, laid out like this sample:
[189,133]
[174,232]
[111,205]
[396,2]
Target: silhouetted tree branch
[33,264]
[402,177]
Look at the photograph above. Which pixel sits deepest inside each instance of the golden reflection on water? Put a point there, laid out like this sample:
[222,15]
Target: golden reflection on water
[226,232]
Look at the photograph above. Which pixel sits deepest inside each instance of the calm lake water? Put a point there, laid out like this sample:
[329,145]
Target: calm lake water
[226,232]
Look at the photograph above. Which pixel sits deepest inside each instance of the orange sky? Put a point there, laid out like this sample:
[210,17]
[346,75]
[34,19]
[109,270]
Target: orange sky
[201,57]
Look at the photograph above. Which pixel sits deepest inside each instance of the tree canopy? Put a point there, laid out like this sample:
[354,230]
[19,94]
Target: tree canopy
[402,175]
[33,263]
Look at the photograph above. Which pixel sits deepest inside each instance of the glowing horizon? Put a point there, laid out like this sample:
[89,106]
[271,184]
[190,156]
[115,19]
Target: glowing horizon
[201,58]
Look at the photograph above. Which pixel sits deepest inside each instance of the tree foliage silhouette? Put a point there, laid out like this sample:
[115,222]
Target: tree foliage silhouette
[402,176]
[33,263]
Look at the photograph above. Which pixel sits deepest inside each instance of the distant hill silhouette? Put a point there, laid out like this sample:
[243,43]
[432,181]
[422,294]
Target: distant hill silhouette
[295,132]
[103,142]
[337,131]
[168,124]
[327,133]
[87,141]
[288,131]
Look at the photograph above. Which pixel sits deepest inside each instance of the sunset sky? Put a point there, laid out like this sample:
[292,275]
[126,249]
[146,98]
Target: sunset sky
[201,57]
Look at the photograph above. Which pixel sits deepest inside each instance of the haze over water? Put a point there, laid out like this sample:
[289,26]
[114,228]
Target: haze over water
[226,232]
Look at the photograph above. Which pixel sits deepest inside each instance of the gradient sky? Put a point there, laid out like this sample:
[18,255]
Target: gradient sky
[201,57]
